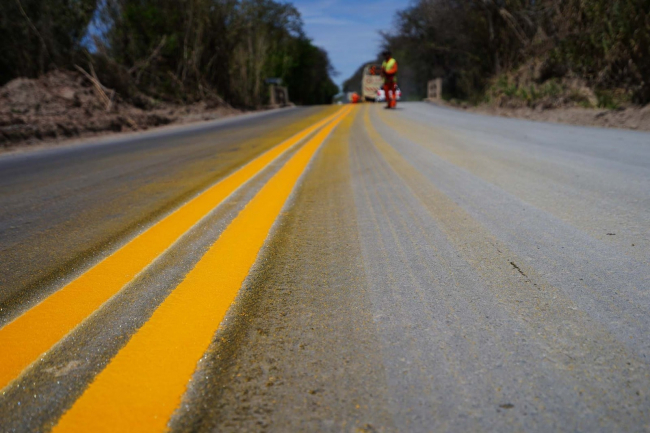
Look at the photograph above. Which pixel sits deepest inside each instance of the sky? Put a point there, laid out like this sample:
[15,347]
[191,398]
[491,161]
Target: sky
[348,30]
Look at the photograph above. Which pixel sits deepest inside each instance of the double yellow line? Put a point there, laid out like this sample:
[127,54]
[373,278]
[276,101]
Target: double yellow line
[143,384]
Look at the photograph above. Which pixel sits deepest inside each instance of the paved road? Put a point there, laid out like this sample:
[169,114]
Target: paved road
[330,269]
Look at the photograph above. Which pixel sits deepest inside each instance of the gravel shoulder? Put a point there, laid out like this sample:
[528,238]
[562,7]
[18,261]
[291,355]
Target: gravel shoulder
[636,118]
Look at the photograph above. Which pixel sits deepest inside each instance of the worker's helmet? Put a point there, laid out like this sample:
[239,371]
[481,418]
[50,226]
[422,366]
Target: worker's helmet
[386,53]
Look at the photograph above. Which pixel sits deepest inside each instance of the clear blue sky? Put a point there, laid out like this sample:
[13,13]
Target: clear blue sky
[348,30]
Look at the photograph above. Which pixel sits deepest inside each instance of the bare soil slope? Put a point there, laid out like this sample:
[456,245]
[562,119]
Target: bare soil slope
[64,104]
[528,93]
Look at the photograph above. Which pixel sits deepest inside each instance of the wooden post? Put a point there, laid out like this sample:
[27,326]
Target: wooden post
[286,95]
[272,94]
[279,96]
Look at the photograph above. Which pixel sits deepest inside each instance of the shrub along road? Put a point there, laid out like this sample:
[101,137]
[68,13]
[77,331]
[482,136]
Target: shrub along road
[330,269]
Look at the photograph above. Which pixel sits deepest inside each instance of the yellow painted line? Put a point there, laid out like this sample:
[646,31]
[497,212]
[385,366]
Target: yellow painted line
[25,339]
[143,385]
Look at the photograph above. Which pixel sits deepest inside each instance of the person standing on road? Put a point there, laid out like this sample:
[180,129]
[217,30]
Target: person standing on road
[389,73]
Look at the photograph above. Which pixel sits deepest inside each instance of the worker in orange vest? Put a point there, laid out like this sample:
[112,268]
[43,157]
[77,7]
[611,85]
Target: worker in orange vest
[389,72]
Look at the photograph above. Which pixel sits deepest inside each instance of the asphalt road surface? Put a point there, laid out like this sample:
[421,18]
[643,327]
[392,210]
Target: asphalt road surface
[343,269]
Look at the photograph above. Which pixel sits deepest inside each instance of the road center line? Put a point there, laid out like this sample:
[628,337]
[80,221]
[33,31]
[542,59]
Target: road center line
[29,336]
[143,385]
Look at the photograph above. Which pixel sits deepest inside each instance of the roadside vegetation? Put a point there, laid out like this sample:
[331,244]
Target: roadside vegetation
[180,51]
[530,53]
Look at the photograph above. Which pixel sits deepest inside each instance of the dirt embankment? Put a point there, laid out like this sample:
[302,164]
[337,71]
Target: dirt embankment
[538,91]
[63,105]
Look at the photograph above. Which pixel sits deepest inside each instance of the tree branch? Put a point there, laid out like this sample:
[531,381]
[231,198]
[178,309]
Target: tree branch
[98,87]
[33,27]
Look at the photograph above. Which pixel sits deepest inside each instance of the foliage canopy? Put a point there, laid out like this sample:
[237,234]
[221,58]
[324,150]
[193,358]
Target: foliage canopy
[181,50]
[468,42]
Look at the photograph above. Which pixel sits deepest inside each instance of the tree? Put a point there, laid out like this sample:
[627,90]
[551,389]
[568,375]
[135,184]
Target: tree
[469,42]
[38,35]
[177,50]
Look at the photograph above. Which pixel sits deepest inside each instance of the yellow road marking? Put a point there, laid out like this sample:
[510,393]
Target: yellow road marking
[143,385]
[25,339]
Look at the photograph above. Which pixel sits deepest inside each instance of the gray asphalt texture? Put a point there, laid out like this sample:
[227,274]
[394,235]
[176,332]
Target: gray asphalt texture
[433,271]
[63,209]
